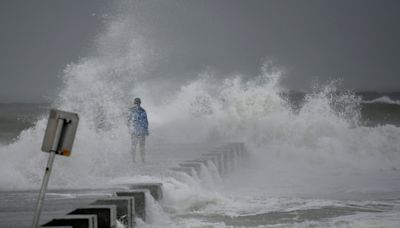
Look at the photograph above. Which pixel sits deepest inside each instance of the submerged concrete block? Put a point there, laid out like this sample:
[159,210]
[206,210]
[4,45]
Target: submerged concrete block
[106,214]
[125,208]
[140,200]
[203,161]
[188,170]
[154,188]
[74,221]
[226,157]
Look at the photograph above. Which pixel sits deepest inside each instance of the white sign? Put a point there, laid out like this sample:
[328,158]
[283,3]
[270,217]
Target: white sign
[60,132]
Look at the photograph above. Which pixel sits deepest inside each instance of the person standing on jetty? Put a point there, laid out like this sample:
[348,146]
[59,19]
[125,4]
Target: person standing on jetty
[138,127]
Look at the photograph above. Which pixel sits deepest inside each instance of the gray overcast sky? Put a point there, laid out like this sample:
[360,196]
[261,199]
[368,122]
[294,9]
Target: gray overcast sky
[312,39]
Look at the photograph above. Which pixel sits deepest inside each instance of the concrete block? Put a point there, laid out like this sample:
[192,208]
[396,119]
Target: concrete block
[140,201]
[106,214]
[154,188]
[75,221]
[125,208]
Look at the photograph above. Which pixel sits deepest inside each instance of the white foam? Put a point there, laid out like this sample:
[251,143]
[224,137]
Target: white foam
[383,99]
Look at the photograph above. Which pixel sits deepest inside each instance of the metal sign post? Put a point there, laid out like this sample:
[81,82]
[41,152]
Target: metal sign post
[47,173]
[58,139]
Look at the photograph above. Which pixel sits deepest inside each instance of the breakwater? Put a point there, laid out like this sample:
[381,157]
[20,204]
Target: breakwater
[126,204]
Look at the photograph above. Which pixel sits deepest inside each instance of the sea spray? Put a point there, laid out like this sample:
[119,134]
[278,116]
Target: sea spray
[324,133]
[181,197]
[322,148]
[206,177]
[213,170]
[324,130]
[154,212]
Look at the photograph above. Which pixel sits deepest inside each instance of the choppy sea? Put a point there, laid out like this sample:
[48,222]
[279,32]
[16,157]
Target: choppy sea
[307,169]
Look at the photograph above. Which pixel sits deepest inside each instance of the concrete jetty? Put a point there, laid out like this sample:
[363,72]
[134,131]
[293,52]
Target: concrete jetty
[98,208]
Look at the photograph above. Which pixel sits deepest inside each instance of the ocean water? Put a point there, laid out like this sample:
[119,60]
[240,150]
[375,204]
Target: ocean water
[330,165]
[16,117]
[325,158]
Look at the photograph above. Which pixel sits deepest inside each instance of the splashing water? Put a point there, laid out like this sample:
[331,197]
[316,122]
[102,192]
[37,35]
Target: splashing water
[324,130]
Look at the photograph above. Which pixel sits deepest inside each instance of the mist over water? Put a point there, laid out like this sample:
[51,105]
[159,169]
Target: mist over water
[319,147]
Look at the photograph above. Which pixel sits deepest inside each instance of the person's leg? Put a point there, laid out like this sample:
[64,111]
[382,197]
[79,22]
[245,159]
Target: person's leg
[134,140]
[142,142]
